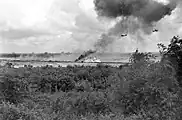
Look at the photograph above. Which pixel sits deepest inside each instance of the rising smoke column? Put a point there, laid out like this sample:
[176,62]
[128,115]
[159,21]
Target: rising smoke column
[135,15]
[84,55]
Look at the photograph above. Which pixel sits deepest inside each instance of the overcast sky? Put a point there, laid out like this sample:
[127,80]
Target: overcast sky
[67,25]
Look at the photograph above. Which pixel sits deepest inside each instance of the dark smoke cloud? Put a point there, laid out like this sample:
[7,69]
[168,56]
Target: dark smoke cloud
[148,10]
[103,42]
[135,15]
[128,26]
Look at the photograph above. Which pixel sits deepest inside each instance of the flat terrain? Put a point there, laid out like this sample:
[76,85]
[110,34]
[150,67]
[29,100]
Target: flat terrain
[63,60]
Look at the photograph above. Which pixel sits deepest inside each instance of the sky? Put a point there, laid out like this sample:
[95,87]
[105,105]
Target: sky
[68,25]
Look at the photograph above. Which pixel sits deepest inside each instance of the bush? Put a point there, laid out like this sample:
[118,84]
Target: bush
[10,111]
[13,87]
[140,57]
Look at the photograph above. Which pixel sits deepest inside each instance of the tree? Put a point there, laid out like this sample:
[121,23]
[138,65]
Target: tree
[140,57]
[173,54]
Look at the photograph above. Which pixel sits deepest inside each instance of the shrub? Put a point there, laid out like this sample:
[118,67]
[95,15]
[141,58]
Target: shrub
[138,57]
[10,111]
[152,89]
[14,87]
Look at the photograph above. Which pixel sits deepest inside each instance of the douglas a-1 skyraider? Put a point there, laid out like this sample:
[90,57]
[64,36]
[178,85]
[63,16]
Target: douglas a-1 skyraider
[123,35]
[155,30]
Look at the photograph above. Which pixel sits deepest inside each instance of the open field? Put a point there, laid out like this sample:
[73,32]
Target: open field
[55,60]
[18,64]
[104,57]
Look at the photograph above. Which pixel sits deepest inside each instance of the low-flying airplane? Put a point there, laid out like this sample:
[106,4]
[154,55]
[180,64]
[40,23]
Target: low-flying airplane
[123,35]
[136,50]
[155,30]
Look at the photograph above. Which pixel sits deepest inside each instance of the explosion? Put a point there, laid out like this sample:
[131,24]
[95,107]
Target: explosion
[133,17]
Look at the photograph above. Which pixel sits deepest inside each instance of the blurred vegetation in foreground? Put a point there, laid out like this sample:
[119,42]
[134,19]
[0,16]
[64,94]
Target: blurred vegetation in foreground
[144,90]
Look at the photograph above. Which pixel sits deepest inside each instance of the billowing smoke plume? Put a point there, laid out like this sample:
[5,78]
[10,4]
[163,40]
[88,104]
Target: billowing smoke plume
[148,10]
[84,55]
[135,15]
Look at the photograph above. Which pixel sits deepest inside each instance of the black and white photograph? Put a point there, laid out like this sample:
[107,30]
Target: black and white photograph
[90,59]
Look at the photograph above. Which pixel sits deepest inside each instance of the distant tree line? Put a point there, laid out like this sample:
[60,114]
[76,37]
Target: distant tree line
[16,55]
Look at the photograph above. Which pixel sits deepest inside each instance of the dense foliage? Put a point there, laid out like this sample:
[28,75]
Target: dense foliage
[143,90]
[173,54]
